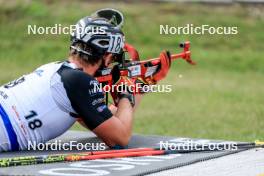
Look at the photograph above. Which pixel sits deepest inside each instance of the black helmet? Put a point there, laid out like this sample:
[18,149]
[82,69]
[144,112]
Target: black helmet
[99,35]
[113,16]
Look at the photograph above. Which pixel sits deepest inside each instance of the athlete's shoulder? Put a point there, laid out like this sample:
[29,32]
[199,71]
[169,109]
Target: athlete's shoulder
[85,95]
[49,66]
[53,63]
[73,74]
[74,77]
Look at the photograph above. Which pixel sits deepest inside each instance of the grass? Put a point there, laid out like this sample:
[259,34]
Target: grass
[220,98]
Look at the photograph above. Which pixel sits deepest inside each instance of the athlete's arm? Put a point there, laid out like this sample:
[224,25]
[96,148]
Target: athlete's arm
[120,116]
[111,107]
[118,129]
[120,124]
[88,104]
[119,112]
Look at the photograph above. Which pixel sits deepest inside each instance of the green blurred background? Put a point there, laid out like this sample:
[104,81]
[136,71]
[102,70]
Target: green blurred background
[220,98]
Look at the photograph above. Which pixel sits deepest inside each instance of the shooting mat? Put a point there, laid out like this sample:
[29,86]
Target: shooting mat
[118,167]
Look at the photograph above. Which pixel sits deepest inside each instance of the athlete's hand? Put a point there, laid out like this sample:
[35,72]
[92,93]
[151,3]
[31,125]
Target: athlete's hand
[124,86]
[165,63]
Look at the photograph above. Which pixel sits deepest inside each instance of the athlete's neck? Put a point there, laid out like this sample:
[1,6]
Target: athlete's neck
[87,68]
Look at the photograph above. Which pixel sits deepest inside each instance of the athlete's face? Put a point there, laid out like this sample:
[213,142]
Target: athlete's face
[107,60]
[103,63]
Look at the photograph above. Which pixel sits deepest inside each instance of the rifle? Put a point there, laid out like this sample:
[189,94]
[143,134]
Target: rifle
[135,68]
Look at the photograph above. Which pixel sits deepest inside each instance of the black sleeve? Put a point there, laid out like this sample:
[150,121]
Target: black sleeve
[85,97]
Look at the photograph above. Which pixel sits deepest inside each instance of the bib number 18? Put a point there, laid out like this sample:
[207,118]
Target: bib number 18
[35,123]
[116,43]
